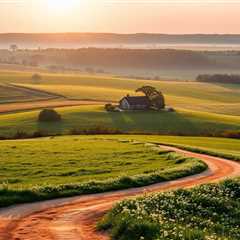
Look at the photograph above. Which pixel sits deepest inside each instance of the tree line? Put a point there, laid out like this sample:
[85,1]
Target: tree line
[219,78]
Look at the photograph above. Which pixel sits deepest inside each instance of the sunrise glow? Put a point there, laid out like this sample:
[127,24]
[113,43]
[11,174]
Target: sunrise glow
[62,6]
[123,16]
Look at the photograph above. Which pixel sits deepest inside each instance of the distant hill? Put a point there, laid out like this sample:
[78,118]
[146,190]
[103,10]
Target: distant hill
[75,40]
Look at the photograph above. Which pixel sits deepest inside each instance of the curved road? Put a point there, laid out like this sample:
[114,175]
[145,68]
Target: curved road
[75,218]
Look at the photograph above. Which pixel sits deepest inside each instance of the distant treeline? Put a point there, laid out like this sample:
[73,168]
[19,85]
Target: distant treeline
[104,58]
[219,78]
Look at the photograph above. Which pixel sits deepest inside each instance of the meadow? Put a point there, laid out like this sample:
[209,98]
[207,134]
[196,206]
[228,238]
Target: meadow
[201,108]
[208,212]
[203,97]
[77,119]
[41,169]
[222,147]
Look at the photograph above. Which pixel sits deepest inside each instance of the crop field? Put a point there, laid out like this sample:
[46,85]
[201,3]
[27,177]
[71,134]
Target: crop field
[9,94]
[181,122]
[201,108]
[205,97]
[209,212]
[189,95]
[41,165]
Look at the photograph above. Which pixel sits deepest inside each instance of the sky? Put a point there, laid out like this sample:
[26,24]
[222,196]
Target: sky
[120,16]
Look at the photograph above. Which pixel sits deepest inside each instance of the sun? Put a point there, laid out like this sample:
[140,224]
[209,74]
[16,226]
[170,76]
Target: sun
[61,6]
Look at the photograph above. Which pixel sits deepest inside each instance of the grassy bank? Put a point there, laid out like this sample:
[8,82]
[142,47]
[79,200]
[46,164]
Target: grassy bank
[32,170]
[219,147]
[208,212]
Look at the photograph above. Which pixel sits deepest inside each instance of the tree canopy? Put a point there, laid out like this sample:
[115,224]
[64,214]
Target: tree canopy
[155,97]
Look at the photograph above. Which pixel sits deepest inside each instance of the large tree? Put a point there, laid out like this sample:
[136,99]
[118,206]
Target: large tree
[155,97]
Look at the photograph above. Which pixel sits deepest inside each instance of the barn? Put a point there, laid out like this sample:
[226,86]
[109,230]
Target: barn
[134,103]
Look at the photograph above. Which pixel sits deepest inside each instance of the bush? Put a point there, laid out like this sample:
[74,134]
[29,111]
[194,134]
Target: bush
[110,108]
[36,78]
[49,115]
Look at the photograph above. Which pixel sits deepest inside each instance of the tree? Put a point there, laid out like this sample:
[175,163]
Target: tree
[49,115]
[155,97]
[36,78]
[13,47]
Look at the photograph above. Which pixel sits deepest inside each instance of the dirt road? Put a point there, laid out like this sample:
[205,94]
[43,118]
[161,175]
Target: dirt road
[75,218]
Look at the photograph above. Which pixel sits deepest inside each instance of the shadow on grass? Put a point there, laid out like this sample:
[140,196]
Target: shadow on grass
[157,122]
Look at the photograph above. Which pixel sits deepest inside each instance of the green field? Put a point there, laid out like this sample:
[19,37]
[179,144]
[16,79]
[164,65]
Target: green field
[205,97]
[23,162]
[45,161]
[38,169]
[220,147]
[47,168]
[208,212]
[181,122]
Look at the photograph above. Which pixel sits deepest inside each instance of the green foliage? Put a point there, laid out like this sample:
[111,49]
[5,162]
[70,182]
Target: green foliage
[110,108]
[208,212]
[33,170]
[49,115]
[155,97]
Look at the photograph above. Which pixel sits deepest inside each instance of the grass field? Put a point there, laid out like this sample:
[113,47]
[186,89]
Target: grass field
[222,147]
[215,98]
[202,108]
[181,122]
[42,169]
[208,212]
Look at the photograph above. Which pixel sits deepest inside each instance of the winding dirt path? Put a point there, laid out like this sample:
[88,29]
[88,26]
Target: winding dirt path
[75,218]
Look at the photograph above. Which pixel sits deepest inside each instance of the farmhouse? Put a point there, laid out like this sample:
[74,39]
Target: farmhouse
[135,103]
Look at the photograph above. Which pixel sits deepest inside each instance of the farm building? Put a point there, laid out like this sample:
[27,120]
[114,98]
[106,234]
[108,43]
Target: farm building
[134,103]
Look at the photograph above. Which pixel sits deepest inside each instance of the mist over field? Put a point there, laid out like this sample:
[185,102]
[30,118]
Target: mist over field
[134,63]
[111,40]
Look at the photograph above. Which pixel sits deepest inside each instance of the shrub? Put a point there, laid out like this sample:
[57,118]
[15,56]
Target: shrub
[110,108]
[36,78]
[49,115]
